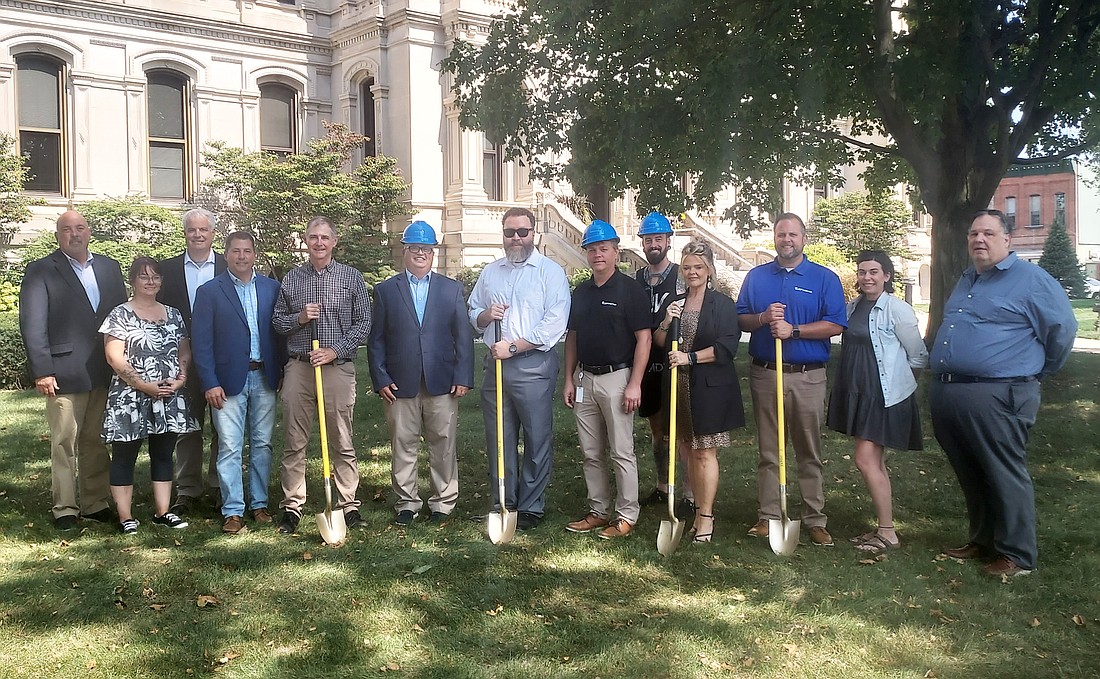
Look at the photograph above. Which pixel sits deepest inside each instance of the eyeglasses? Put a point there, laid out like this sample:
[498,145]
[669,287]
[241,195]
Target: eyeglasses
[419,249]
[155,278]
[522,233]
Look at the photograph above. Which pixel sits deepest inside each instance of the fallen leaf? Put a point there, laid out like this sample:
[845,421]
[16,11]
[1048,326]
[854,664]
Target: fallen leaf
[791,649]
[421,569]
[158,607]
[308,556]
[1035,622]
[205,600]
[1079,621]
[92,663]
[930,675]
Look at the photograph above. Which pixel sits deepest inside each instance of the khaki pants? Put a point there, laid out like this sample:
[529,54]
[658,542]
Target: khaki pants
[804,411]
[437,418]
[603,425]
[189,455]
[79,461]
[299,397]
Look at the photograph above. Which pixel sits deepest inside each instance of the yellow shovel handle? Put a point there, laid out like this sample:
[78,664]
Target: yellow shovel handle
[321,413]
[672,420]
[779,412]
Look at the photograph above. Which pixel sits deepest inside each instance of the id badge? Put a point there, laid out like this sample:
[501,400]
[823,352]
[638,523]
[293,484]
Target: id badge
[578,392]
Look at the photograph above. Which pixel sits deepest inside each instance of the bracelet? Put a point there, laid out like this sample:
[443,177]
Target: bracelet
[759,319]
[692,358]
[663,328]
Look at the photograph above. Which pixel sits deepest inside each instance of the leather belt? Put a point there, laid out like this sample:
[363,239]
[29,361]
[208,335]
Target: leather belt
[954,378]
[789,367]
[255,365]
[525,354]
[304,358]
[603,369]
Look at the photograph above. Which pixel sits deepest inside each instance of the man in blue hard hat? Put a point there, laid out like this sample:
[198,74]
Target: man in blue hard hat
[606,355]
[662,281]
[421,357]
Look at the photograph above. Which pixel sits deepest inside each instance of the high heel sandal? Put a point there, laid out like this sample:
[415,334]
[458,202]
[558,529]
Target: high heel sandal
[704,537]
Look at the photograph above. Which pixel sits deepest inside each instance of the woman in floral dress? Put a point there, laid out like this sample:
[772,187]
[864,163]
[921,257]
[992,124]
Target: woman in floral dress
[146,345]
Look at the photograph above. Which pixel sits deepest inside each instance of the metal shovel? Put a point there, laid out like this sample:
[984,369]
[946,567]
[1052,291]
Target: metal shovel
[502,524]
[668,537]
[330,524]
[782,532]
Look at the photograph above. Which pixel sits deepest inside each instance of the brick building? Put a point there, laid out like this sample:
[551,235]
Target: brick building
[1031,196]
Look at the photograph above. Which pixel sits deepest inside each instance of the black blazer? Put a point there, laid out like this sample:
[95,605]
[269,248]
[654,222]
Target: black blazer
[716,404]
[173,287]
[60,330]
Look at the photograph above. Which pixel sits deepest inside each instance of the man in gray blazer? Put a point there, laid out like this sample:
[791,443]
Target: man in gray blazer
[421,356]
[63,300]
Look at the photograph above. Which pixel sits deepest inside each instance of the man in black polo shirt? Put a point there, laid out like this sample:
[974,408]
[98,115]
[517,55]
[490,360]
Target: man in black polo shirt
[606,355]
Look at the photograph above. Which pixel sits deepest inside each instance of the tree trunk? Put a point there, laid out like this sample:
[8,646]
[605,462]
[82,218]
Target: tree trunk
[949,256]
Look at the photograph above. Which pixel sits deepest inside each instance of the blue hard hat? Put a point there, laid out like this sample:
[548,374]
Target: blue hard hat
[419,233]
[655,223]
[598,231]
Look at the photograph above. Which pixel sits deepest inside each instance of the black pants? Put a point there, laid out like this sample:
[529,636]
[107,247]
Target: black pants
[124,457]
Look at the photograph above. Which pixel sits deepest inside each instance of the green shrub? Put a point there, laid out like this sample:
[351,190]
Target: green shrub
[14,371]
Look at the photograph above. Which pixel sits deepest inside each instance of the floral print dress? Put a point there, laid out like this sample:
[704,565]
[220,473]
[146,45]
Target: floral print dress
[152,349]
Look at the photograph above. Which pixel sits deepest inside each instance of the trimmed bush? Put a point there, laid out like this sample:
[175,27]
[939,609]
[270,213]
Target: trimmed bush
[14,371]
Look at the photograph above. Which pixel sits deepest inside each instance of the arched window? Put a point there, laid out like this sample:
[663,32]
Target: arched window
[40,87]
[366,103]
[168,100]
[278,119]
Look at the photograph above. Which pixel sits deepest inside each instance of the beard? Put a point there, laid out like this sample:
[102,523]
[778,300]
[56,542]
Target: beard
[519,253]
[655,256]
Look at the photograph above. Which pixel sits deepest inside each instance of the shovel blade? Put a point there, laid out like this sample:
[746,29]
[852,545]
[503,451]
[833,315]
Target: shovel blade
[783,535]
[502,526]
[668,537]
[332,527]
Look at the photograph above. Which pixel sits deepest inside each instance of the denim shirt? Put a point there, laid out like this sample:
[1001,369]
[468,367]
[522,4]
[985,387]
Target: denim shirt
[899,349]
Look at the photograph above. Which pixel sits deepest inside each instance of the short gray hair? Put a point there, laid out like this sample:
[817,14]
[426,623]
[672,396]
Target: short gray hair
[193,213]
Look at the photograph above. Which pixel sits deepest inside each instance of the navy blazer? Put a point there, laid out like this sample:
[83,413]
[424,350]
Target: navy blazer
[173,287]
[221,342]
[59,328]
[402,352]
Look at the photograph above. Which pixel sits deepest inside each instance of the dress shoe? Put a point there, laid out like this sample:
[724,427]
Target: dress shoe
[183,504]
[589,522]
[352,519]
[405,517]
[619,528]
[820,537]
[967,552]
[105,515]
[289,523]
[261,515]
[234,525]
[657,497]
[439,518]
[1005,566]
[759,529]
[67,522]
[527,521]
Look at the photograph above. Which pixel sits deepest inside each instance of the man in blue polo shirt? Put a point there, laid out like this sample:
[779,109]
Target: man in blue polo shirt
[801,303]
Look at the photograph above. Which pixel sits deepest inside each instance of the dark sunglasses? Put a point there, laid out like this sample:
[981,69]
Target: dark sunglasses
[522,233]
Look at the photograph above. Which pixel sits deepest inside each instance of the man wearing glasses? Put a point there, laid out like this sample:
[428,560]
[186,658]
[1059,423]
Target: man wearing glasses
[527,296]
[421,357]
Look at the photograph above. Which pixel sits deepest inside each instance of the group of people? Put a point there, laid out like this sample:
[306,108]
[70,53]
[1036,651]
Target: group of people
[205,333]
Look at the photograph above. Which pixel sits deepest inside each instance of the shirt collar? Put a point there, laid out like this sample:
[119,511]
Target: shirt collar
[532,260]
[73,262]
[237,281]
[778,268]
[187,259]
[971,271]
[414,280]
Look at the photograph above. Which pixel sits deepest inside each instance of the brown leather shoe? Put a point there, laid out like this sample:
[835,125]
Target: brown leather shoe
[1005,566]
[261,515]
[234,525]
[619,528]
[589,522]
[759,529]
[820,537]
[966,552]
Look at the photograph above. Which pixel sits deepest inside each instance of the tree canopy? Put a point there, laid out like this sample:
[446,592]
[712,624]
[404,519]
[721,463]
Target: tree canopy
[943,94]
[862,221]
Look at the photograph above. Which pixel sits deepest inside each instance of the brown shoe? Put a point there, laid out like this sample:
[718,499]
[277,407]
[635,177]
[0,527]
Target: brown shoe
[759,529]
[619,528]
[1005,566]
[589,522]
[967,552]
[234,525]
[820,537]
[261,515]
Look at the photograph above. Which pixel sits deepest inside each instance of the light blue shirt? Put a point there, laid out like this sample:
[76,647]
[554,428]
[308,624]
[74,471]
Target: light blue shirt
[1012,320]
[196,274]
[86,274]
[418,287]
[537,294]
[899,349]
[246,292]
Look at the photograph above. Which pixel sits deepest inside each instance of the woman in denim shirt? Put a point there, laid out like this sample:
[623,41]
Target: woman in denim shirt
[873,398]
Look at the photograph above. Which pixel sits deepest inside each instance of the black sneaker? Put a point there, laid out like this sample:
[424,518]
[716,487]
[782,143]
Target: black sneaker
[67,522]
[439,518]
[405,517]
[170,520]
[657,497]
[288,525]
[352,519]
[128,527]
[104,515]
[527,521]
[685,508]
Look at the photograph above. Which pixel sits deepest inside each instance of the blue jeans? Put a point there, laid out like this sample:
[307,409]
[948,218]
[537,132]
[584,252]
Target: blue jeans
[254,407]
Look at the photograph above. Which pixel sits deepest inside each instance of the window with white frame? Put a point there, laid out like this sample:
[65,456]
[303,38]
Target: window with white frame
[1010,211]
[492,168]
[278,119]
[1034,203]
[40,96]
[169,113]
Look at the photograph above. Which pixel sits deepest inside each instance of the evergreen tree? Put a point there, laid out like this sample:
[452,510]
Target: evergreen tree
[1060,259]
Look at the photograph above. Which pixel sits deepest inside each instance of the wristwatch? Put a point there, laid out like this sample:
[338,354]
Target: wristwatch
[795,332]
[512,349]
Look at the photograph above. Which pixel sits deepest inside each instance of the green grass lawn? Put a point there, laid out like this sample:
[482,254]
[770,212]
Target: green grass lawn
[1086,317]
[444,602]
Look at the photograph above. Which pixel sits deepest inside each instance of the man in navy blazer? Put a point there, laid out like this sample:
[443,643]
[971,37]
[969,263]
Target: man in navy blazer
[182,277]
[421,357]
[62,302]
[239,360]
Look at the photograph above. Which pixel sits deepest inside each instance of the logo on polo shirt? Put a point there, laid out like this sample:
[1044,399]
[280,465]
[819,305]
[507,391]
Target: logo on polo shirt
[801,289]
[604,302]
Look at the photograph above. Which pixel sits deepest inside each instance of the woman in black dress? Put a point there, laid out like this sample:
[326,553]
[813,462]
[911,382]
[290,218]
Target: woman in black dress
[873,398]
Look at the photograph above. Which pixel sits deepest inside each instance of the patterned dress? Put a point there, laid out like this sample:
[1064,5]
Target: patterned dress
[685,431]
[152,349]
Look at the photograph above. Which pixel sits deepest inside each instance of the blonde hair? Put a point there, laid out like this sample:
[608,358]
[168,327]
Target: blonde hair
[702,249]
